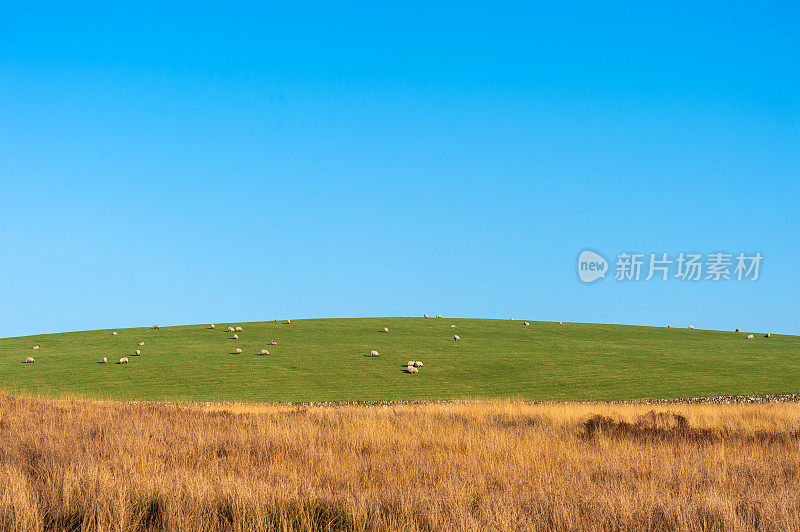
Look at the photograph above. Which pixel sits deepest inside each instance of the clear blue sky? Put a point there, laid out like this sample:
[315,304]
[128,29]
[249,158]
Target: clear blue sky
[208,163]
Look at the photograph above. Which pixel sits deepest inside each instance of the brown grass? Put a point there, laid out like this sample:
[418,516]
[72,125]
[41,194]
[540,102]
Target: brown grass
[460,466]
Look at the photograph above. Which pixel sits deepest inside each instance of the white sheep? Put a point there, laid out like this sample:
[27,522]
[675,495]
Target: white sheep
[212,326]
[374,353]
[141,343]
[410,363]
[691,326]
[561,323]
[230,329]
[386,329]
[103,360]
[511,319]
[238,351]
[123,360]
[239,329]
[29,360]
[114,333]
[418,364]
[425,316]
[750,337]
[273,319]
[35,347]
[456,337]
[412,369]
[264,352]
[273,342]
[288,322]
[767,335]
[525,323]
[138,352]
[155,326]
[438,315]
[452,326]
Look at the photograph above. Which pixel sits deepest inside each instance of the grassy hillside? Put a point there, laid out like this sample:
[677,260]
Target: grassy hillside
[325,360]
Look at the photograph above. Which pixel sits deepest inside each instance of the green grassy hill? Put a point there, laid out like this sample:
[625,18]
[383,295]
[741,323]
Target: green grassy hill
[325,360]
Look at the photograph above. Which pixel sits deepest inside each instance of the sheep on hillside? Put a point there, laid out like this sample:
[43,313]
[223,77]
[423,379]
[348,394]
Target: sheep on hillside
[264,352]
[238,351]
[235,336]
[452,326]
[525,323]
[456,337]
[155,326]
[438,315]
[412,369]
[230,329]
[103,360]
[691,326]
[767,335]
[737,330]
[273,342]
[374,353]
[239,329]
[29,360]
[288,322]
[141,343]
[212,326]
[137,352]
[36,347]
[410,363]
[114,333]
[123,360]
[750,336]
[386,329]
[418,364]
[425,316]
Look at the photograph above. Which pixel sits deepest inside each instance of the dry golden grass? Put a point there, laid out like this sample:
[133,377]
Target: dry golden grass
[456,466]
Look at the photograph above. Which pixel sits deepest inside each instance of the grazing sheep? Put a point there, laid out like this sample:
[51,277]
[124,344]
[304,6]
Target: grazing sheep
[561,323]
[103,360]
[114,333]
[511,319]
[438,315]
[230,329]
[238,351]
[410,363]
[264,352]
[155,326]
[418,364]
[412,369]
[273,319]
[452,326]
[525,323]
[456,337]
[137,353]
[691,326]
[374,353]
[273,342]
[750,336]
[235,336]
[288,322]
[767,335]
[29,360]
[123,360]
[141,343]
[212,326]
[386,329]
[425,316]
[35,347]
[239,329]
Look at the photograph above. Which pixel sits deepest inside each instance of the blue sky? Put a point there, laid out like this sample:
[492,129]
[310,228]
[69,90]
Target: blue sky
[207,163]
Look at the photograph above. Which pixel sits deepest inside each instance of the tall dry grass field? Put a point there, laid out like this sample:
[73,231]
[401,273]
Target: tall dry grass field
[458,466]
